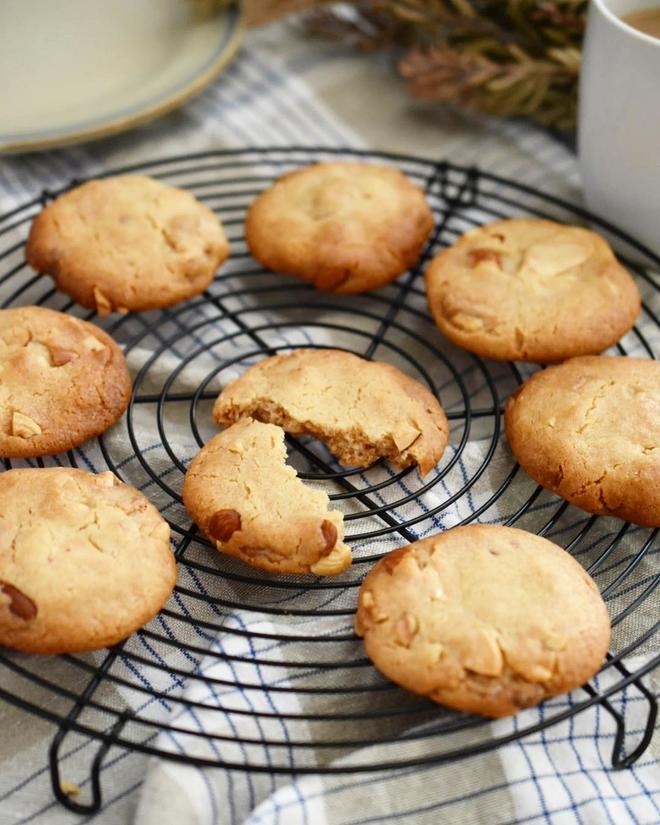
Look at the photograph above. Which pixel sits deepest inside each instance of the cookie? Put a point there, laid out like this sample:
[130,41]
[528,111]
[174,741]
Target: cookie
[363,410]
[62,381]
[484,619]
[345,227]
[251,505]
[127,243]
[531,290]
[85,560]
[589,430]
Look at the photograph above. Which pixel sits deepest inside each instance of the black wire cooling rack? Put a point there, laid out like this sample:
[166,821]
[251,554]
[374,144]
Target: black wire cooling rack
[274,659]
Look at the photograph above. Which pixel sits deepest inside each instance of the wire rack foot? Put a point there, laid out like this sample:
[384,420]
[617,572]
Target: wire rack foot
[620,759]
[66,791]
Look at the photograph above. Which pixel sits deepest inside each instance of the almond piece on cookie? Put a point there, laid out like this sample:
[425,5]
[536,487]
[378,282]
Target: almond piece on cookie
[363,410]
[251,504]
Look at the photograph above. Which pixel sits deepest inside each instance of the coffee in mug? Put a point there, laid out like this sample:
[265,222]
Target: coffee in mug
[646,21]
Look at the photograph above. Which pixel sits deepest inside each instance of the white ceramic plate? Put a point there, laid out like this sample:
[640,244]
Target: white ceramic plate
[73,70]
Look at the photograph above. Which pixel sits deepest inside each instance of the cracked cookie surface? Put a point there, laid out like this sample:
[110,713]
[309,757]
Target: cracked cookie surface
[345,227]
[62,381]
[484,619]
[85,560]
[127,243]
[239,490]
[589,430]
[363,410]
[531,290]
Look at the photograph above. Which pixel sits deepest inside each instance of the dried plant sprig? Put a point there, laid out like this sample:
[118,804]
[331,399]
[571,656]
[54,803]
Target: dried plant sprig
[526,87]
[514,58]
[502,57]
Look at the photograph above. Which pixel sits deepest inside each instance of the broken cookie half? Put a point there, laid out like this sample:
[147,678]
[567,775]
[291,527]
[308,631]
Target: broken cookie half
[251,504]
[362,410]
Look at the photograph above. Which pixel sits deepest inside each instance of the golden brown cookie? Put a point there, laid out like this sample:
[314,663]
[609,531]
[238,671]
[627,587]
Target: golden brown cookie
[345,227]
[62,381]
[85,560]
[127,243]
[251,505]
[589,430]
[483,619]
[363,410]
[531,290]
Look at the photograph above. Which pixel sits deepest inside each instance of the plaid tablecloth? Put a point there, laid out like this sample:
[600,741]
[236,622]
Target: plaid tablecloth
[283,90]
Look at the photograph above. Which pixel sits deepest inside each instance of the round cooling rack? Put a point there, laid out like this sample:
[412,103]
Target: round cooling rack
[248,671]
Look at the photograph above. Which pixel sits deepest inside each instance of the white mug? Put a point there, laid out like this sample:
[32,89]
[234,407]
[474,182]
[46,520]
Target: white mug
[619,121]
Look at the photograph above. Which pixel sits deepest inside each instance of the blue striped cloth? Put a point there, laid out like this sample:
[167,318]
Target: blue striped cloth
[280,92]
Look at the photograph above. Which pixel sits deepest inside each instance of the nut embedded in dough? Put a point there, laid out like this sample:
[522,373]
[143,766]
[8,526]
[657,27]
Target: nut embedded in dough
[223,524]
[102,302]
[478,256]
[92,343]
[406,628]
[61,356]
[329,532]
[19,604]
[22,426]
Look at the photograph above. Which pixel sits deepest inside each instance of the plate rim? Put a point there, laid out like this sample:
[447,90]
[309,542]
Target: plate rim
[114,125]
